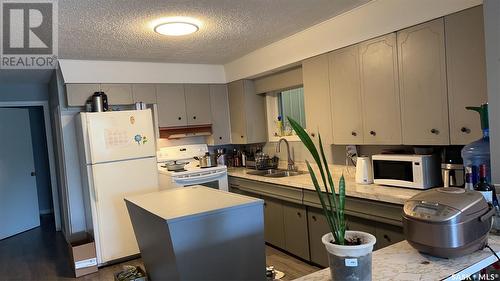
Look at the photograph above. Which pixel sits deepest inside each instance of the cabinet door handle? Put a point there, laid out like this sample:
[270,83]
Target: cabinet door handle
[313,135]
[241,136]
[465,130]
[435,131]
[373,133]
[179,118]
[387,238]
[314,218]
[220,138]
[194,117]
[299,214]
[353,133]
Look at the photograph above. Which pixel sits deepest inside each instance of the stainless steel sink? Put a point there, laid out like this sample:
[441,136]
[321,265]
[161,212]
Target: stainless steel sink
[276,173]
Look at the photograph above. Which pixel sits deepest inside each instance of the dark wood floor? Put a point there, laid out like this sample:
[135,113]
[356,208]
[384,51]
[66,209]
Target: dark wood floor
[42,254]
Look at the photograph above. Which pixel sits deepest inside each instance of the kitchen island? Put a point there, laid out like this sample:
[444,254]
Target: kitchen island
[402,262]
[199,233]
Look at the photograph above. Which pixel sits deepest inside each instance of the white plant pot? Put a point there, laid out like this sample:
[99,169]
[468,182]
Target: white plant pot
[350,262]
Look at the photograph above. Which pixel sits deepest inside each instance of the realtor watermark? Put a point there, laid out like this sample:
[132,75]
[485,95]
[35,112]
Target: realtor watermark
[28,37]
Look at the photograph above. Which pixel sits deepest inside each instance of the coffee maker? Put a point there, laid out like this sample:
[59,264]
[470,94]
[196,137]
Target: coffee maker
[452,168]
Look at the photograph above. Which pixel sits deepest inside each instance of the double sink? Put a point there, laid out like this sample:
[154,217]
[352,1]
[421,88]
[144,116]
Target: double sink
[276,173]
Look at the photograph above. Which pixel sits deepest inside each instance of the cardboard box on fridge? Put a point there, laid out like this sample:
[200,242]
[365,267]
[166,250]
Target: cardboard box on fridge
[83,254]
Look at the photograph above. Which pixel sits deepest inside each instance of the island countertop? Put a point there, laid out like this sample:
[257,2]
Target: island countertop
[184,202]
[402,262]
[375,192]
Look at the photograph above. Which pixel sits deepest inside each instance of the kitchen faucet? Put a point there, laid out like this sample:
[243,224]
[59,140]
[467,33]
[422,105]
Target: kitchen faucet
[291,164]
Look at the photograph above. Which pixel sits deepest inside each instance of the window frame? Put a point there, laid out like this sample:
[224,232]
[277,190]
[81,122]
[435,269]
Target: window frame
[272,111]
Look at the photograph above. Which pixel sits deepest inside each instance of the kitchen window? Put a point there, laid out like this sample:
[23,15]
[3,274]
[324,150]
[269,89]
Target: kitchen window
[283,104]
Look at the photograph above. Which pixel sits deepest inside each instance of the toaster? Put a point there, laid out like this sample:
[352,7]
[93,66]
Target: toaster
[447,222]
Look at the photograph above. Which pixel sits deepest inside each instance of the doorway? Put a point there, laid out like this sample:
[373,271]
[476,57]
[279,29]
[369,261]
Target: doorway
[28,184]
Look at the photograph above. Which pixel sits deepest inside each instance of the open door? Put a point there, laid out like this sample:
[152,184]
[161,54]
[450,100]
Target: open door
[18,194]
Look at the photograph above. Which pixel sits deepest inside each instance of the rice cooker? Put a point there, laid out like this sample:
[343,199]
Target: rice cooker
[447,222]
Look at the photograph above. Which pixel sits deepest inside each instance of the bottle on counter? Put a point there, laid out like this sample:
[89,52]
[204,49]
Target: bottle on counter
[236,158]
[485,188]
[243,159]
[469,185]
[221,157]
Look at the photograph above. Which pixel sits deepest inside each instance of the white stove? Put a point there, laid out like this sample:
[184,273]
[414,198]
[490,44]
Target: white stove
[215,177]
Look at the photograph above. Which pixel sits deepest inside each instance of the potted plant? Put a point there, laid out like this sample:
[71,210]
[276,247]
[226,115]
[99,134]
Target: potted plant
[349,252]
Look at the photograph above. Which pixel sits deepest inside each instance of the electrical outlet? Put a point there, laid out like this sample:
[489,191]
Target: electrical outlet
[351,151]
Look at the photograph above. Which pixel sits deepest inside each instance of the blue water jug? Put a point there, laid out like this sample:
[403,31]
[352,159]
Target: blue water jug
[478,152]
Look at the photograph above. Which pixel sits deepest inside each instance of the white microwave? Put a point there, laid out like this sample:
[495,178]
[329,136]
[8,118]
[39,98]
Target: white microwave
[411,171]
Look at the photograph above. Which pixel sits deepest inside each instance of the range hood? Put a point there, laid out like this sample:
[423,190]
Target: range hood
[185,132]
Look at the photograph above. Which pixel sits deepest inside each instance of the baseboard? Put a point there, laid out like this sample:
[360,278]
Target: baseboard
[46,211]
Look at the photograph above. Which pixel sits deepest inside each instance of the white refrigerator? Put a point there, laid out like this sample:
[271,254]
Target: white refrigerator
[118,159]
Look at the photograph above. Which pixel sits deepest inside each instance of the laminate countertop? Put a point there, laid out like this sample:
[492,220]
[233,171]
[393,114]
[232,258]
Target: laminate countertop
[402,262]
[375,192]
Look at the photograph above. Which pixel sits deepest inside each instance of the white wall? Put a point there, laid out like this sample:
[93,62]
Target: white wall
[492,37]
[86,71]
[373,19]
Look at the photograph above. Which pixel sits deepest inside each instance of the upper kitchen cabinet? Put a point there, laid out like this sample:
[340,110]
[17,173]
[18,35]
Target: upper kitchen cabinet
[78,94]
[345,90]
[171,105]
[422,82]
[247,112]
[466,68]
[221,128]
[198,110]
[317,98]
[144,93]
[380,91]
[118,94]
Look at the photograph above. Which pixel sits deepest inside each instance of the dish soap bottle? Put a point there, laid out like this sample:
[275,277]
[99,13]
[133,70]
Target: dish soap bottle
[478,153]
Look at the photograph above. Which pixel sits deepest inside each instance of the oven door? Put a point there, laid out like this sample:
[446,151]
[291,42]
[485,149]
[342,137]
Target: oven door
[213,179]
[394,172]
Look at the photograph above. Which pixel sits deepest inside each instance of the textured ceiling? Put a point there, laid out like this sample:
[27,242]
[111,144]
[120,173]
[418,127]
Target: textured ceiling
[120,29]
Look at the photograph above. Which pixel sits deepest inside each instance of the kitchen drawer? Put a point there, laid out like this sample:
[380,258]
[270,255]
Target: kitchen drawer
[281,192]
[368,209]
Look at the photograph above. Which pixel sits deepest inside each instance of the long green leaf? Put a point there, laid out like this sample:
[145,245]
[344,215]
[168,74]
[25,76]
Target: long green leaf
[328,214]
[334,216]
[342,204]
[333,195]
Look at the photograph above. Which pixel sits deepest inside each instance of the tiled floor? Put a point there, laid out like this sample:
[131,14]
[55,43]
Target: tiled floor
[42,254]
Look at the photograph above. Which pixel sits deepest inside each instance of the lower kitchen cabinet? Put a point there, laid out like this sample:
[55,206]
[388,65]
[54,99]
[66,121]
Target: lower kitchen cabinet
[274,227]
[318,226]
[297,228]
[296,234]
[387,235]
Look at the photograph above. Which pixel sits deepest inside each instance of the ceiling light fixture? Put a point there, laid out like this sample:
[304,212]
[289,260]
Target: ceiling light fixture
[176,26]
